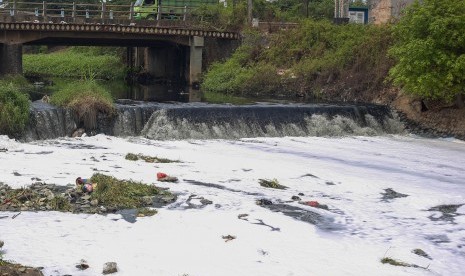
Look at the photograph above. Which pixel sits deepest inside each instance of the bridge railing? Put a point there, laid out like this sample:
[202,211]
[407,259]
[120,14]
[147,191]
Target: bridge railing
[104,13]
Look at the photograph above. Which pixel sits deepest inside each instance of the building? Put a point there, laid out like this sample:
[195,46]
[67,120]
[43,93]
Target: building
[382,11]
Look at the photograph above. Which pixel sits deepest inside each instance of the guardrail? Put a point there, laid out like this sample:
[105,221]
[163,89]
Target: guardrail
[104,13]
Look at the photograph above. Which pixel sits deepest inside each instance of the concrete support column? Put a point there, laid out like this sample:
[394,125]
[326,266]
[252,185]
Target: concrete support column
[162,62]
[11,59]
[195,60]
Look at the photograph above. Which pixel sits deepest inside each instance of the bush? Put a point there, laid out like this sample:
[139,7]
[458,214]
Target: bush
[302,60]
[14,106]
[86,99]
[430,51]
[221,18]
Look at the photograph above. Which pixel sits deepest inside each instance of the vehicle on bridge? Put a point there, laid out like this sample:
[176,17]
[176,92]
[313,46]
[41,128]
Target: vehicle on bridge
[166,9]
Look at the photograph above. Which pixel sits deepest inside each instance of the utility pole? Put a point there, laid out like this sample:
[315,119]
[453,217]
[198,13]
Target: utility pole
[249,12]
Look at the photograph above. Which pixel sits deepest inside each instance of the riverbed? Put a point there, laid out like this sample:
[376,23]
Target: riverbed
[383,196]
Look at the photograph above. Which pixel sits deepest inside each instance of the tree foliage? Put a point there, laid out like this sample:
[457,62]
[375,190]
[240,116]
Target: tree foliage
[430,49]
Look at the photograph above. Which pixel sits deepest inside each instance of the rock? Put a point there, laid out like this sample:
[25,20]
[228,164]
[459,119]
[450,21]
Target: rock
[205,201]
[22,269]
[168,179]
[49,194]
[264,201]
[85,197]
[295,198]
[2,243]
[168,198]
[301,194]
[421,253]
[82,265]
[94,202]
[109,268]
[147,200]
[391,194]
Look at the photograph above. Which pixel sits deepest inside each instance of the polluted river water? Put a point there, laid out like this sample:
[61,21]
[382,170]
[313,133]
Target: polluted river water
[385,193]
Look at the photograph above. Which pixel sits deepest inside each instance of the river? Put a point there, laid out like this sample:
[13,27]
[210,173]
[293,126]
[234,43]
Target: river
[385,190]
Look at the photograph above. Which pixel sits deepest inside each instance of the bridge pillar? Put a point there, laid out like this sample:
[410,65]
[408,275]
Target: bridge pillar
[164,62]
[11,59]
[195,60]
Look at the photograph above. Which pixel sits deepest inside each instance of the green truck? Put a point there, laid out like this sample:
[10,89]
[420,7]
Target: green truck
[163,9]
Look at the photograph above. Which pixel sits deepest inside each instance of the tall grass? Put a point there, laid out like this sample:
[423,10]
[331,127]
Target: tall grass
[76,62]
[14,105]
[87,98]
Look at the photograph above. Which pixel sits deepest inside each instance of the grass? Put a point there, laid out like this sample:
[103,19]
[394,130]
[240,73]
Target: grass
[271,184]
[86,98]
[14,105]
[112,192]
[149,159]
[75,62]
[387,260]
[146,212]
[60,203]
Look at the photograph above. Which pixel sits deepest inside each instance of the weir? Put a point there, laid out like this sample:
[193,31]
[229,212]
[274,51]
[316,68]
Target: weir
[164,121]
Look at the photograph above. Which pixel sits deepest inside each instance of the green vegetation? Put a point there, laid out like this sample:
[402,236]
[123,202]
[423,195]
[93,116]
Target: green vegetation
[87,98]
[14,105]
[112,192]
[271,184]
[146,212]
[80,62]
[60,203]
[391,261]
[430,51]
[149,159]
[304,61]
[387,260]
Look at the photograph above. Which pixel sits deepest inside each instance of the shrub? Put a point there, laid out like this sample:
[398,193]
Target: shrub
[14,106]
[302,60]
[86,99]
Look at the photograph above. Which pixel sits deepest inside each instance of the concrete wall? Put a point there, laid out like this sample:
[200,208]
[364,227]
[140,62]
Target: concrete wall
[11,59]
[382,11]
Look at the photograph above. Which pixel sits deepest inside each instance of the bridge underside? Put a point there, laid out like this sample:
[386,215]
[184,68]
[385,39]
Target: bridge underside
[168,53]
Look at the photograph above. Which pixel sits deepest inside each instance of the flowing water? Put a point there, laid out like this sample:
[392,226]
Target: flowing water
[387,193]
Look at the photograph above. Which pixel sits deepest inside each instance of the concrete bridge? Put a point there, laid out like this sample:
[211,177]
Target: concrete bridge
[171,49]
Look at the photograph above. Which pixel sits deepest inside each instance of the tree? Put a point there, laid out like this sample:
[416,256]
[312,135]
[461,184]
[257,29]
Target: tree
[430,50]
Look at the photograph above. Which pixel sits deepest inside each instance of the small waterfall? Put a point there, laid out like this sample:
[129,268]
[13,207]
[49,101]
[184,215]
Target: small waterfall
[164,121]
[227,122]
[47,122]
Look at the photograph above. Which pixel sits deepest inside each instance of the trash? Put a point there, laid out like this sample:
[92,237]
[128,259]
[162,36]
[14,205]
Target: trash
[163,177]
[243,216]
[228,238]
[13,217]
[85,185]
[315,204]
[295,198]
[312,203]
